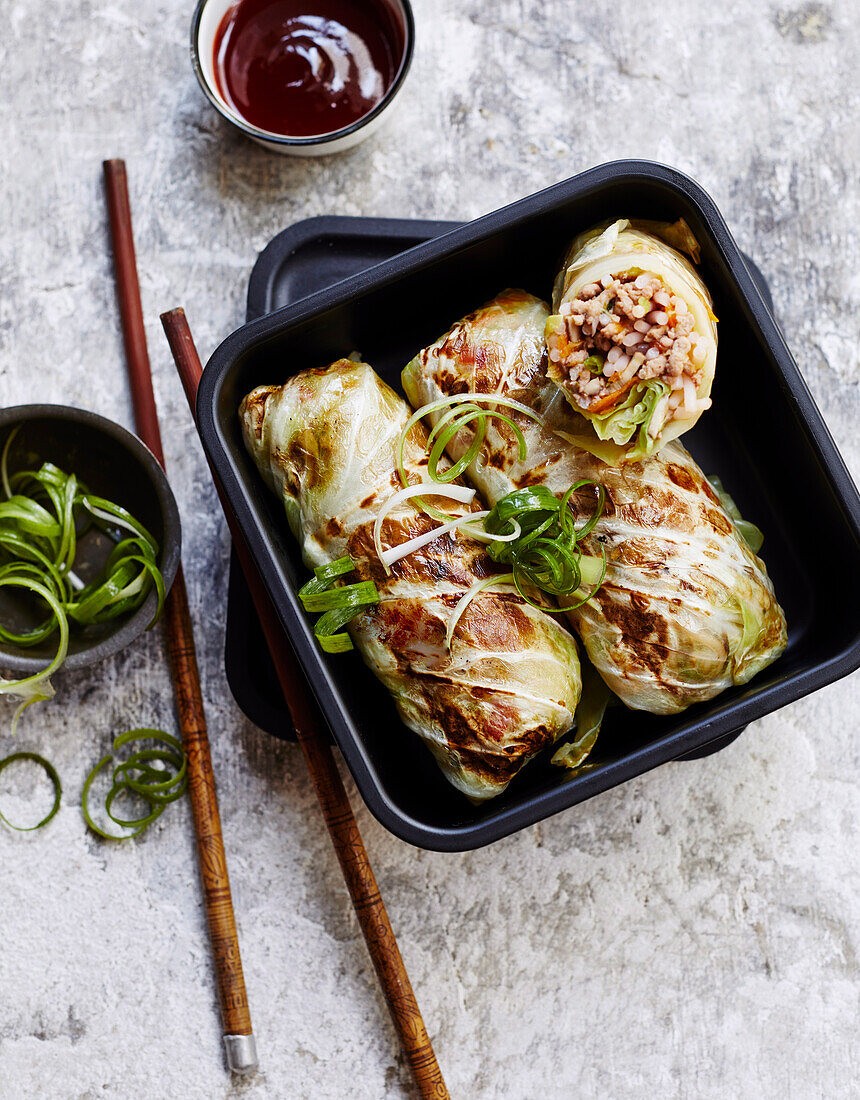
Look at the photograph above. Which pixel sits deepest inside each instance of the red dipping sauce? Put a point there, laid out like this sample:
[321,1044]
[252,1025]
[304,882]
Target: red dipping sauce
[306,67]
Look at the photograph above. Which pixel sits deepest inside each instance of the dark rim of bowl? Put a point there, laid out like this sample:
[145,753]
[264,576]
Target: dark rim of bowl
[313,139]
[171,542]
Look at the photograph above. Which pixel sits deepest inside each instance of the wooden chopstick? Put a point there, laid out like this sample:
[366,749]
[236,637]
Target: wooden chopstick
[334,803]
[238,1034]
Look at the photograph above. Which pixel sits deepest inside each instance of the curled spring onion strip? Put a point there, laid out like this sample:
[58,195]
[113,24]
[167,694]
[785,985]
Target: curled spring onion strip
[136,776]
[116,515]
[52,775]
[44,514]
[38,687]
[531,530]
[340,605]
[395,553]
[4,461]
[463,523]
[547,554]
[452,492]
[451,423]
[470,522]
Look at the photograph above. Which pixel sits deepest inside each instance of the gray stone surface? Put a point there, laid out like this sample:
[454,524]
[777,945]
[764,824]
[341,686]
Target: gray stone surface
[691,935]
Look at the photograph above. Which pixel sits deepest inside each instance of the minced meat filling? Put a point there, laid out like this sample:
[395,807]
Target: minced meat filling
[628,328]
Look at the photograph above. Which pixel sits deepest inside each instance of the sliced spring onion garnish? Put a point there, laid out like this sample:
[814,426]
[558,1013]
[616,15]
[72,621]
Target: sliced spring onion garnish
[531,530]
[547,554]
[52,775]
[449,425]
[348,595]
[471,522]
[452,492]
[138,777]
[395,553]
[340,605]
[45,513]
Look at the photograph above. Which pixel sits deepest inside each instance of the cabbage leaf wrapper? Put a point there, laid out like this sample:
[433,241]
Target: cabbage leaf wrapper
[326,443]
[686,608]
[632,338]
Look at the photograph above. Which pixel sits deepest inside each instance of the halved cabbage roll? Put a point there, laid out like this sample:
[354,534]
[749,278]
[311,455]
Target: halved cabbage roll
[632,340]
[326,443]
[686,608]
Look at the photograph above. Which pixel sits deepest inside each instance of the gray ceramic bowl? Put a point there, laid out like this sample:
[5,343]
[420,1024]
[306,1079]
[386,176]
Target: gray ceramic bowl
[114,464]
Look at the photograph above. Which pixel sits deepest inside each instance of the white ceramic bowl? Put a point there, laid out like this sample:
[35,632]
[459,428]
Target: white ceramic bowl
[204,27]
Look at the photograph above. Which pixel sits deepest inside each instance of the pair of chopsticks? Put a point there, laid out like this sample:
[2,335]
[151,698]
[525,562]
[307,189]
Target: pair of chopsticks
[308,722]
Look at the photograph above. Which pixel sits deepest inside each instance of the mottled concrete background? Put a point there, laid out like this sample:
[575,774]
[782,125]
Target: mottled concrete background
[693,934]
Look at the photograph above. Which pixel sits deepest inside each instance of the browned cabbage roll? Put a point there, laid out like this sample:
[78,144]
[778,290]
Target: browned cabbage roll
[686,608]
[508,686]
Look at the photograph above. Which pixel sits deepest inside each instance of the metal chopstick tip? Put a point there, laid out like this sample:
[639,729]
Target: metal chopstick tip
[241,1053]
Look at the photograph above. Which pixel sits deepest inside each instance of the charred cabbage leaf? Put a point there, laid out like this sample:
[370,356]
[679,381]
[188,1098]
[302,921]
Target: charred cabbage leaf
[593,702]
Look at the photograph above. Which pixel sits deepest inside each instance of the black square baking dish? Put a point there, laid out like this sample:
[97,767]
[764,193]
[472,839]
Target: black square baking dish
[764,437]
[306,257]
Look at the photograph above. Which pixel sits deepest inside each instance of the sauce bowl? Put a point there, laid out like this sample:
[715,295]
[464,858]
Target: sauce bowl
[205,25]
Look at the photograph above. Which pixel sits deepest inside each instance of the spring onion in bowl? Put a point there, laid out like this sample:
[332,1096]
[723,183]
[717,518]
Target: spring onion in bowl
[43,516]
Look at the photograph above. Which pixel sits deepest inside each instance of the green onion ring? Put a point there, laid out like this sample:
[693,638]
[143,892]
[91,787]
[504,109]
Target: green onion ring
[545,552]
[547,555]
[448,427]
[465,416]
[52,775]
[150,783]
[157,787]
[334,643]
[4,460]
[136,823]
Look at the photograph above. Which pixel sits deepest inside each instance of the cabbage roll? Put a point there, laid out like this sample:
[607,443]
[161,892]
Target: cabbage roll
[326,442]
[686,608]
[632,340]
